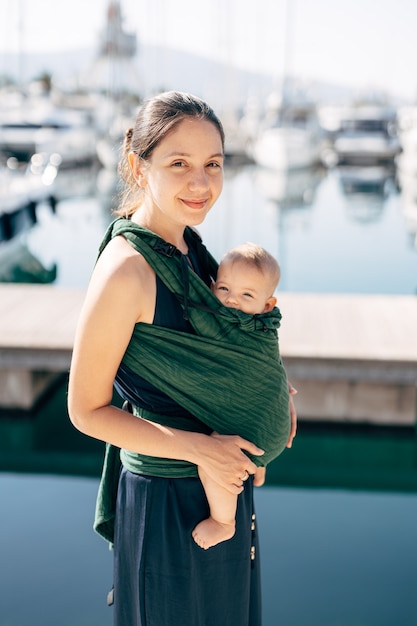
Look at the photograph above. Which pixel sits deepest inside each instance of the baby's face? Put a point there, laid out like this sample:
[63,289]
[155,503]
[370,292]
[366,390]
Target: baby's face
[244,287]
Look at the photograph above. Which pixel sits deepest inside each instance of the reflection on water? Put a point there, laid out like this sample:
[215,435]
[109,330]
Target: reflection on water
[330,237]
[366,190]
[289,189]
[346,230]
[19,265]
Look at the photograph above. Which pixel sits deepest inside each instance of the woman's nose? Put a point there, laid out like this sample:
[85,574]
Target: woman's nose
[199,180]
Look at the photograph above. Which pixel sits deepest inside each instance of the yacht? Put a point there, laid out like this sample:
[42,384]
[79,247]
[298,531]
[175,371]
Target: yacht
[37,126]
[288,137]
[366,135]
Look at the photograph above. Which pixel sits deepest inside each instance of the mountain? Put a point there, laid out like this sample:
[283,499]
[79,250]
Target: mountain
[224,87]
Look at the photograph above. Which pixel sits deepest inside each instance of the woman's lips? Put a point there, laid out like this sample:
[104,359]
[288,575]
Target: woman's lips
[195,204]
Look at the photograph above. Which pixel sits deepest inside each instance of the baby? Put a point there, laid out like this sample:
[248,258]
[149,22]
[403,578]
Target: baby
[247,279]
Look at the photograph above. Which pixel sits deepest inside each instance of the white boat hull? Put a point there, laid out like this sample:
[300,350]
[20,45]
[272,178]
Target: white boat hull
[286,148]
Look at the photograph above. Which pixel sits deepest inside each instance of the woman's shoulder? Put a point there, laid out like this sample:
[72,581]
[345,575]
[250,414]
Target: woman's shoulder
[123,277]
[120,260]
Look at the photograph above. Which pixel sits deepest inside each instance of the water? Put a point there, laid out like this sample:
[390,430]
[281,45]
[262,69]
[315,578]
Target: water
[337,558]
[55,571]
[330,557]
[336,520]
[328,241]
[326,237]
[337,516]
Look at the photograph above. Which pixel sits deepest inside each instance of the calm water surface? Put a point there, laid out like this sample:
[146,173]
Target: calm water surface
[327,238]
[339,556]
[329,558]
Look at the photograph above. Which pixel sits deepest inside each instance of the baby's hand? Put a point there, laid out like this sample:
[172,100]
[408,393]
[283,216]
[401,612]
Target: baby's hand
[259,476]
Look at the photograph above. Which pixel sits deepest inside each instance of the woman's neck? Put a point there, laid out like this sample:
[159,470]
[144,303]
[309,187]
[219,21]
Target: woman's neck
[172,233]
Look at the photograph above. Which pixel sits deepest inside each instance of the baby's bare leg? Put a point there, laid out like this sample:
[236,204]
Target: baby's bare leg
[221,524]
[259,477]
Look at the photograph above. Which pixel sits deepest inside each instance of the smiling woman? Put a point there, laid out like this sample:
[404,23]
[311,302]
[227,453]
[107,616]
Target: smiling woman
[172,167]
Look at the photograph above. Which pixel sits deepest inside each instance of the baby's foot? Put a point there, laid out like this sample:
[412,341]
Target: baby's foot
[209,532]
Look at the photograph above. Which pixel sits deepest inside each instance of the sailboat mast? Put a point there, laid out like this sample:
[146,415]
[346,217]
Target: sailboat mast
[286,66]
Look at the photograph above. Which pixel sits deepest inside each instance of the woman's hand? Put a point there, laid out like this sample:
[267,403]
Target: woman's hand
[293,415]
[225,462]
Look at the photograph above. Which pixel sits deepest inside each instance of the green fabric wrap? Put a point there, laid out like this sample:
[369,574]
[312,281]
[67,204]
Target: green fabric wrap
[229,374]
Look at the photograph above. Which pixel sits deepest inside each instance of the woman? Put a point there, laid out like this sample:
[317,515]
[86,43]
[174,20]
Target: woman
[173,169]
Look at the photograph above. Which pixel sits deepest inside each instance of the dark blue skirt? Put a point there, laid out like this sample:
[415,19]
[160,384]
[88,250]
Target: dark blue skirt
[161,576]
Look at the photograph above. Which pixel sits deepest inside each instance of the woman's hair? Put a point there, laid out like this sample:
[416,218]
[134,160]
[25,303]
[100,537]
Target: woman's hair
[255,256]
[157,117]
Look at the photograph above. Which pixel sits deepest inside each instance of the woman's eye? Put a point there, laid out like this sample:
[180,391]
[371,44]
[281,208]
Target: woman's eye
[178,164]
[214,164]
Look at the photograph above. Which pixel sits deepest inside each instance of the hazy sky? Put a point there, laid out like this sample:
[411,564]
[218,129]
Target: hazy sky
[356,42]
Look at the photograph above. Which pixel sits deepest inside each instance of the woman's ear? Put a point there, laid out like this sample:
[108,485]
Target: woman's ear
[270,303]
[137,167]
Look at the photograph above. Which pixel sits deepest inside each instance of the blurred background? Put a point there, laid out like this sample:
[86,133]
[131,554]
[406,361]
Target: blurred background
[319,104]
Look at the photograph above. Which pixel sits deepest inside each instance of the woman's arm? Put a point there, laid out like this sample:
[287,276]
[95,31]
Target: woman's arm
[122,292]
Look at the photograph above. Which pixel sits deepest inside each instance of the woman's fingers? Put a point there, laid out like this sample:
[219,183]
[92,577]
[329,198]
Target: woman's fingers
[251,448]
[247,466]
[292,390]
[293,417]
[229,465]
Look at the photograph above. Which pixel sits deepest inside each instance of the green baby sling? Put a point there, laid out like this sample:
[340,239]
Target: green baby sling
[228,374]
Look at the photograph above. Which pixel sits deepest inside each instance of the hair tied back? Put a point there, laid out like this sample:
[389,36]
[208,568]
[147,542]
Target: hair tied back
[129,135]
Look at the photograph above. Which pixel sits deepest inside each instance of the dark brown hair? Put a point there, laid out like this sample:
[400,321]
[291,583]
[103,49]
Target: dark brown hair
[157,117]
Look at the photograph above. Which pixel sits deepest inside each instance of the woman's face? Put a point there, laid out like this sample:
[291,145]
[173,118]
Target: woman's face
[184,176]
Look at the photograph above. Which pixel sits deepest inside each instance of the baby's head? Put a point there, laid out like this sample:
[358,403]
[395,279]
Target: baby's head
[247,278]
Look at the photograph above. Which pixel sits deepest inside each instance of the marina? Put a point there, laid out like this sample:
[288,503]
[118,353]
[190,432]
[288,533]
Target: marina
[325,180]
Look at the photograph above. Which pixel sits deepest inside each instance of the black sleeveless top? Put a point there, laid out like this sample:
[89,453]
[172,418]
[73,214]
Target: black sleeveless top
[169,314]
